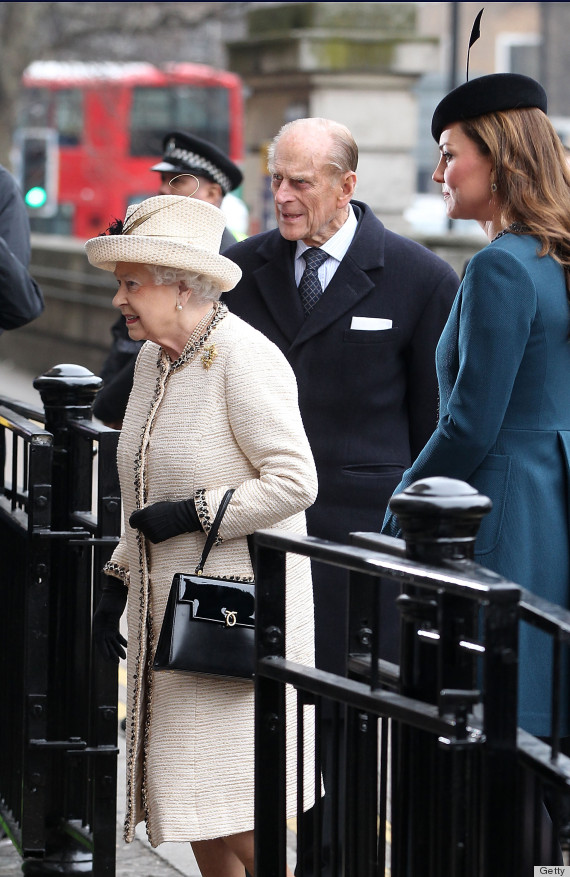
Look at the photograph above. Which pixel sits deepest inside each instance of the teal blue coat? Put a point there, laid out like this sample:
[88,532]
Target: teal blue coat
[503,365]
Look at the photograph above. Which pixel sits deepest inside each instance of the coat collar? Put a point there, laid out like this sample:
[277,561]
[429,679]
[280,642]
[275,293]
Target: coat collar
[276,278]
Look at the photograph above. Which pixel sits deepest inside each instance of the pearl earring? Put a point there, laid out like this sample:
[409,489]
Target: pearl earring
[178,307]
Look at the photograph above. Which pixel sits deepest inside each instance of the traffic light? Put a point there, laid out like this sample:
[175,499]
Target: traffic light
[37,160]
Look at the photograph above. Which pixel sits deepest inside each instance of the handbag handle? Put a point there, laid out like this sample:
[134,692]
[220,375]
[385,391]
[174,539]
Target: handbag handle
[214,530]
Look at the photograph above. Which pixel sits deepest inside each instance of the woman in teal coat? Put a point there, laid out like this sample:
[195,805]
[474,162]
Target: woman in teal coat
[503,360]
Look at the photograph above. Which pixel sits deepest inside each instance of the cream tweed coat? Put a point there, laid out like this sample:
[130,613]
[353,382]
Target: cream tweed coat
[224,416]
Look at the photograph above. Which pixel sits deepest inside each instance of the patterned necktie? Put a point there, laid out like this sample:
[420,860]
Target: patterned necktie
[310,288]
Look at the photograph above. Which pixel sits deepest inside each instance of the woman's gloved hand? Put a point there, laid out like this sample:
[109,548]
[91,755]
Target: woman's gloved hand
[163,520]
[106,618]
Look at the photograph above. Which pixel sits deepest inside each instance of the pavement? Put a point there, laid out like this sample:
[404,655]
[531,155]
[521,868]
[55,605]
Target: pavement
[19,385]
[137,859]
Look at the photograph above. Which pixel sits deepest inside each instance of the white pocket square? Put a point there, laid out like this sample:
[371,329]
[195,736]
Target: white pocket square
[370,324]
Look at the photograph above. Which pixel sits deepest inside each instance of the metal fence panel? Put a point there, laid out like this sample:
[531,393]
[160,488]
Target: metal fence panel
[59,521]
[436,779]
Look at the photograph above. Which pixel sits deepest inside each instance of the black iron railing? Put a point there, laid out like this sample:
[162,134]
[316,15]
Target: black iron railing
[430,774]
[59,521]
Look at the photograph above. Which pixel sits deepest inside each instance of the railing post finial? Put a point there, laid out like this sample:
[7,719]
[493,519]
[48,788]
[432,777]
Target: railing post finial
[440,518]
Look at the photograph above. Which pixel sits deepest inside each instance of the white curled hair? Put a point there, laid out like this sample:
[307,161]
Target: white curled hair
[203,288]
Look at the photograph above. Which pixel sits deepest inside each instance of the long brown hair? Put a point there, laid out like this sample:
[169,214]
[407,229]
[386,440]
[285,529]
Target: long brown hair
[531,174]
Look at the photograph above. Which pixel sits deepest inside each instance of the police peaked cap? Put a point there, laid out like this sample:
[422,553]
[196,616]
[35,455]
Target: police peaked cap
[487,94]
[189,154]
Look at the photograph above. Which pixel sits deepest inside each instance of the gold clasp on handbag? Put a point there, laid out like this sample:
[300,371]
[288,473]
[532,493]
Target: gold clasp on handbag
[231,617]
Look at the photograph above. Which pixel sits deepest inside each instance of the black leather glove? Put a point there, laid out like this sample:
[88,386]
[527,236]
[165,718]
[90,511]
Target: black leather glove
[163,520]
[106,620]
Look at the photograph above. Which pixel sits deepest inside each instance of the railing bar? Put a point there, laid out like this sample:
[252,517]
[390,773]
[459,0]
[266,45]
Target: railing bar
[375,675]
[318,808]
[383,795]
[452,576]
[89,429]
[537,820]
[85,298]
[355,694]
[20,425]
[80,278]
[29,412]
[14,468]
[25,473]
[549,617]
[556,682]
[300,870]
[339,765]
[535,755]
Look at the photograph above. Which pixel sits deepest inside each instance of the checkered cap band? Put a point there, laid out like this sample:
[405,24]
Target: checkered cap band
[198,162]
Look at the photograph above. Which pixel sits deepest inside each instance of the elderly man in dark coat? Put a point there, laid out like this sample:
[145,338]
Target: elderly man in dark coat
[363,354]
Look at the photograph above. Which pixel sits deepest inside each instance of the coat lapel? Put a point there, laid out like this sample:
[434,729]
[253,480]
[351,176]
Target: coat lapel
[351,281]
[275,279]
[276,282]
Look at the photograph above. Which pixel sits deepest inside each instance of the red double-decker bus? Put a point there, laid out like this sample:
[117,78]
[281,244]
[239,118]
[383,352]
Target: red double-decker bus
[88,133]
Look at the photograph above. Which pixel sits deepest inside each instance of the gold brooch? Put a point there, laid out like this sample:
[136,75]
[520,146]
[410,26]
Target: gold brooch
[208,356]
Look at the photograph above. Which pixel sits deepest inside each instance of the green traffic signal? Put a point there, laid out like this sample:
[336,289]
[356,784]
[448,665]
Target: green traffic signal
[35,197]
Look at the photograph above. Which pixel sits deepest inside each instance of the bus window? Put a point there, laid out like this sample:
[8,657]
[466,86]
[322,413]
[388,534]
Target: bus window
[69,115]
[203,111]
[61,110]
[34,108]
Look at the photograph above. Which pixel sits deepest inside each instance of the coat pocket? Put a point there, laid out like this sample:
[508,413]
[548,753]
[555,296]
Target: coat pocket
[376,336]
[564,441]
[492,479]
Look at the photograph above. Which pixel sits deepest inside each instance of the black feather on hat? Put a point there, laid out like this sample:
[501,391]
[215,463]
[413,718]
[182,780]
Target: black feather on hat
[189,154]
[487,94]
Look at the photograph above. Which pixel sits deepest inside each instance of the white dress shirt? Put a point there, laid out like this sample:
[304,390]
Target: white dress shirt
[335,248]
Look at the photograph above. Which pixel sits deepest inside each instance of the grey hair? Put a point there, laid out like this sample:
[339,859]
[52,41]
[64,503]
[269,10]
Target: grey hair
[343,154]
[203,288]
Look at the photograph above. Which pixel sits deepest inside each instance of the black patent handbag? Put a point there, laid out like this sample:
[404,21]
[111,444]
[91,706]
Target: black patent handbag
[209,622]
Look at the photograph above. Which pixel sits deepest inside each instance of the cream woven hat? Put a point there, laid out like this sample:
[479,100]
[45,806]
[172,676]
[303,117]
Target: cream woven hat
[171,230]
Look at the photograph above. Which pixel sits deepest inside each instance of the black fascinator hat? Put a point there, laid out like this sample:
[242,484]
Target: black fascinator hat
[486,94]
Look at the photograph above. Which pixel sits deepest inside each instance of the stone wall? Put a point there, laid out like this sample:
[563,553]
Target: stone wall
[75,326]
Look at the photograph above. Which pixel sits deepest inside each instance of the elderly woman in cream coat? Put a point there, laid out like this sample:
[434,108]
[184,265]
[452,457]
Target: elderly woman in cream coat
[213,406]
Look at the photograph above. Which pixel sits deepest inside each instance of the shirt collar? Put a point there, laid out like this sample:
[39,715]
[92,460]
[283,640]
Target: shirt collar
[338,244]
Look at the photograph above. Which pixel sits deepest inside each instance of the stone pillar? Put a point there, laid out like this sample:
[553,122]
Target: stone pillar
[355,63]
